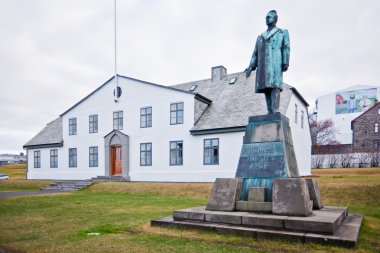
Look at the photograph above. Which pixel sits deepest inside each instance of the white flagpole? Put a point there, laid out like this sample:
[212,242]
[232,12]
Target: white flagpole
[116,79]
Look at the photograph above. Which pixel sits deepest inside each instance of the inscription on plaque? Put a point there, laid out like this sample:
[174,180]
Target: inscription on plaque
[262,160]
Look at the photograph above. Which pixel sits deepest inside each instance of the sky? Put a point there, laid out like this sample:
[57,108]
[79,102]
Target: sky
[54,53]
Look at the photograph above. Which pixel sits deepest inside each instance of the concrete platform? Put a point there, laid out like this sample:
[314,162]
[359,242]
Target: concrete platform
[326,220]
[346,235]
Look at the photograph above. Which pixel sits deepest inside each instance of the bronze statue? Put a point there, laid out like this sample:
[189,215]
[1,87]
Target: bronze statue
[271,58]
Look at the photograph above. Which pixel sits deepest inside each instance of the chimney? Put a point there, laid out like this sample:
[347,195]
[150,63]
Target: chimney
[218,73]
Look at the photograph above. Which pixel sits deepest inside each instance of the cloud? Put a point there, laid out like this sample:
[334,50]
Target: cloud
[53,53]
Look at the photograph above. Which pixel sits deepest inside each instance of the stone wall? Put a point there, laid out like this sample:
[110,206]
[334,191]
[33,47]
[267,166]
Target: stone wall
[363,127]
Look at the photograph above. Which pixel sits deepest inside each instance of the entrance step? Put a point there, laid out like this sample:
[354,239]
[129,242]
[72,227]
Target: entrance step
[109,179]
[71,185]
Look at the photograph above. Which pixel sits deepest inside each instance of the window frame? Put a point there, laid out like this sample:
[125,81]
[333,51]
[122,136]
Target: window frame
[145,152]
[74,165]
[54,158]
[93,123]
[93,157]
[210,148]
[73,126]
[176,111]
[179,151]
[146,115]
[37,159]
[119,120]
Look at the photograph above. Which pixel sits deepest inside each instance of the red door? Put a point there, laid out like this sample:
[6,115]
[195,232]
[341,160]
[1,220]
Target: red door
[116,160]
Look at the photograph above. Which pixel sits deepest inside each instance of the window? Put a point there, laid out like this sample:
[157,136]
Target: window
[176,113]
[93,124]
[146,154]
[295,113]
[37,159]
[72,157]
[73,126]
[146,117]
[302,118]
[194,87]
[54,158]
[378,111]
[118,120]
[376,127]
[376,144]
[233,80]
[176,152]
[93,157]
[211,151]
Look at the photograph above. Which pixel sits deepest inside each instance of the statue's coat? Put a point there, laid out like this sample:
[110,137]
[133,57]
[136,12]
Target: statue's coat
[271,52]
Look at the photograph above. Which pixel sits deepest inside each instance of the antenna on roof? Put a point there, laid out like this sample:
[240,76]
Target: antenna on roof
[117,90]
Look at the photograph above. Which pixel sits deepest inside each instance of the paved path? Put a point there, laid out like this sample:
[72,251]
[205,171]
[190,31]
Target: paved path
[28,193]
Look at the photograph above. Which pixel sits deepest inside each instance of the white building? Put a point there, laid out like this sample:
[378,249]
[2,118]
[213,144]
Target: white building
[187,132]
[345,105]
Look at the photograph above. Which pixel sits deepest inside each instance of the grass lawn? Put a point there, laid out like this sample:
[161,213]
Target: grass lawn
[121,213]
[17,182]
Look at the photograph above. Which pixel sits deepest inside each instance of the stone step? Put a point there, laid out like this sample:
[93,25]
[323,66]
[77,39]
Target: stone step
[67,185]
[346,235]
[326,220]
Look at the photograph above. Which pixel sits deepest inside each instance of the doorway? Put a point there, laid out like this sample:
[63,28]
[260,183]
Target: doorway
[116,160]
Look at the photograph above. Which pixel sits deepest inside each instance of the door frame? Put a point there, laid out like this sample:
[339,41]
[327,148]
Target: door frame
[116,138]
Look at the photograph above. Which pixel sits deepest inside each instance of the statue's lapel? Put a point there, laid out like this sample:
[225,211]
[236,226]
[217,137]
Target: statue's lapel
[273,31]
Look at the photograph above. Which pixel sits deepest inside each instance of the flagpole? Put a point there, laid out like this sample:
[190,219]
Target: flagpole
[116,79]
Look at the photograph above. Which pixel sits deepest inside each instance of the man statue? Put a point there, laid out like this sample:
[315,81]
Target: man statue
[271,58]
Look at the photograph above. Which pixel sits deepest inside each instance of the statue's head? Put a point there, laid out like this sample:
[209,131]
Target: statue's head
[271,18]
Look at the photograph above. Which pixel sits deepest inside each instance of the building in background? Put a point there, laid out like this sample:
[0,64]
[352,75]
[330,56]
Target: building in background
[191,132]
[9,158]
[344,106]
[365,129]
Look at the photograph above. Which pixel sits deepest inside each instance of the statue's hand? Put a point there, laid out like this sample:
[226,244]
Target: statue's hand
[247,72]
[285,67]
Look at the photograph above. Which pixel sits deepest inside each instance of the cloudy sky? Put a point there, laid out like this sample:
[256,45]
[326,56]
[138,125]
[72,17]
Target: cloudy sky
[53,53]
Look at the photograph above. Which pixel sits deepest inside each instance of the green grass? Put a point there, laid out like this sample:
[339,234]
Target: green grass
[14,171]
[16,181]
[121,213]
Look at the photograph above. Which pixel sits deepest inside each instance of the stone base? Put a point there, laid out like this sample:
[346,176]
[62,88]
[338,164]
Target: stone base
[224,194]
[291,197]
[326,220]
[254,206]
[347,235]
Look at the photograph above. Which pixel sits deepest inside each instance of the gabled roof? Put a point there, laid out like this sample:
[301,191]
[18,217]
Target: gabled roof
[140,81]
[373,107]
[233,103]
[50,136]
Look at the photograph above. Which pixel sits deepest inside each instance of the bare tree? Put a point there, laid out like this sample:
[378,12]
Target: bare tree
[346,160]
[332,160]
[363,159]
[323,132]
[317,161]
[374,158]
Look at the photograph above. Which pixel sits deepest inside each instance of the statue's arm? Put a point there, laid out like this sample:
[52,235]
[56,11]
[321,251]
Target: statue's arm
[253,63]
[285,51]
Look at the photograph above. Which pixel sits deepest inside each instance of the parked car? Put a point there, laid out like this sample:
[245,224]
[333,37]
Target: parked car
[3,176]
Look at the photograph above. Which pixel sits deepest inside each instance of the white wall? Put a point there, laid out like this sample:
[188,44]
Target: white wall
[134,96]
[300,135]
[326,110]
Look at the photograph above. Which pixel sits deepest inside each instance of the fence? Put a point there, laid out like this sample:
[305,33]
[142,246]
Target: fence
[346,160]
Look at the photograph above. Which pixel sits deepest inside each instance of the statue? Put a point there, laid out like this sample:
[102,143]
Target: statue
[271,58]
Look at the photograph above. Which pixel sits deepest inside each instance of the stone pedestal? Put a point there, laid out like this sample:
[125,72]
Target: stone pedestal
[224,194]
[267,148]
[291,197]
[267,153]
[315,195]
